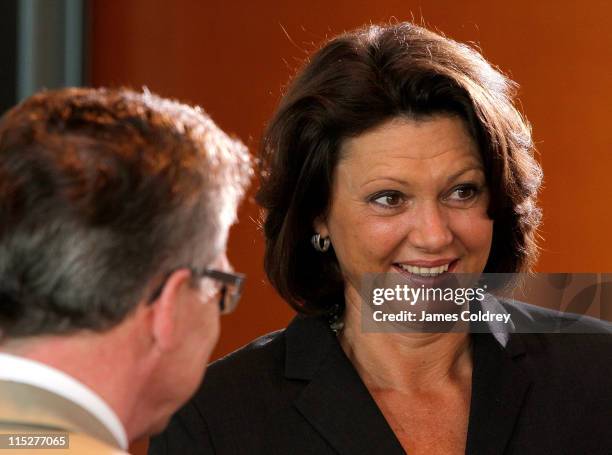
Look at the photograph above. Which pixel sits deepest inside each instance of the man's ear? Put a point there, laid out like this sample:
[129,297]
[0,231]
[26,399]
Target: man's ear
[166,308]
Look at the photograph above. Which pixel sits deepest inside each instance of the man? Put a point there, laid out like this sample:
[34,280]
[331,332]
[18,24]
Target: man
[114,214]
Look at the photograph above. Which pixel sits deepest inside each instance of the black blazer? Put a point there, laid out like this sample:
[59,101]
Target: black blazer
[295,392]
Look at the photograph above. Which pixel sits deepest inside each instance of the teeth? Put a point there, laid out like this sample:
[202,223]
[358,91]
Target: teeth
[425,271]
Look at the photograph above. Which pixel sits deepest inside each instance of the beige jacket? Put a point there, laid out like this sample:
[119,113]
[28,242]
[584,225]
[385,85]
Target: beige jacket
[26,409]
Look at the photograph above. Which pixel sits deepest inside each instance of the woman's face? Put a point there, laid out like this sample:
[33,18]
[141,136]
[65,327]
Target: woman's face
[409,196]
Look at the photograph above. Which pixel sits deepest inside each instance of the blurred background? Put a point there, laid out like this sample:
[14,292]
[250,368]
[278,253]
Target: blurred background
[234,58]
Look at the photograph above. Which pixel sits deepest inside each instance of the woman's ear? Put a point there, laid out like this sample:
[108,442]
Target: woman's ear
[320,226]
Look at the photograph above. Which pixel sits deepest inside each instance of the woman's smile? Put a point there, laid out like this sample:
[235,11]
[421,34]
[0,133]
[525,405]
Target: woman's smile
[410,196]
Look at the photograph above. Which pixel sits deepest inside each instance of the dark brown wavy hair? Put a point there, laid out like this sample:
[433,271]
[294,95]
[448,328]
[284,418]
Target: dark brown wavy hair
[355,82]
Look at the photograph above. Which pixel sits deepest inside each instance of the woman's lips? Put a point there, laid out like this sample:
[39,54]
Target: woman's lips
[427,278]
[428,267]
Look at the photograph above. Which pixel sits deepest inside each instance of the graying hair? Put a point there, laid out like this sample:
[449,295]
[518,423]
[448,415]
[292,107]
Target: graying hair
[102,192]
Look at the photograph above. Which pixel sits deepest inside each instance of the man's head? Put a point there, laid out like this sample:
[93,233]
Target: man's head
[105,197]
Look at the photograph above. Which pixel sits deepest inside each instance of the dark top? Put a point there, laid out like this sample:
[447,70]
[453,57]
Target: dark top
[295,392]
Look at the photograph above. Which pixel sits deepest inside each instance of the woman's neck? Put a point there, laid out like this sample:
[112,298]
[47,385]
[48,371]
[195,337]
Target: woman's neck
[404,361]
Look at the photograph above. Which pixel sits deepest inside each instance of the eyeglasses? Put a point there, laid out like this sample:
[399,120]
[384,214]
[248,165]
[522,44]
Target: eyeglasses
[231,287]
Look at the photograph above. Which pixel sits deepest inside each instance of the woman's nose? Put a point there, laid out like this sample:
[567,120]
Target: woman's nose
[430,230]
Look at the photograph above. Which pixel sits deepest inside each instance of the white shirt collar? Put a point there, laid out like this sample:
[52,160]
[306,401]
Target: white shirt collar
[25,371]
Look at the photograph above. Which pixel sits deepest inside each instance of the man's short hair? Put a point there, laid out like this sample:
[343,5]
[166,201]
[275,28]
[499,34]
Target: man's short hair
[103,192]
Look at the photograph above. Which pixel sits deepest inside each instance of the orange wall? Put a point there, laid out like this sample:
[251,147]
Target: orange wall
[233,57]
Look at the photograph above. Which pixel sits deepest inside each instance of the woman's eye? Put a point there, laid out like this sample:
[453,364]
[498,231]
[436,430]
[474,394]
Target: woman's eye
[388,200]
[464,193]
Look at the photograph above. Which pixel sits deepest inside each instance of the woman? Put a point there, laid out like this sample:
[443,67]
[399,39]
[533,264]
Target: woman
[397,150]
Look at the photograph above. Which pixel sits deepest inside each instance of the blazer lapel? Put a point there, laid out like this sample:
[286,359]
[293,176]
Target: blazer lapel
[338,405]
[335,401]
[27,405]
[499,386]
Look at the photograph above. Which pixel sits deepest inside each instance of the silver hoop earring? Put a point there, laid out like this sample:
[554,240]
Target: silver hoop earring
[321,244]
